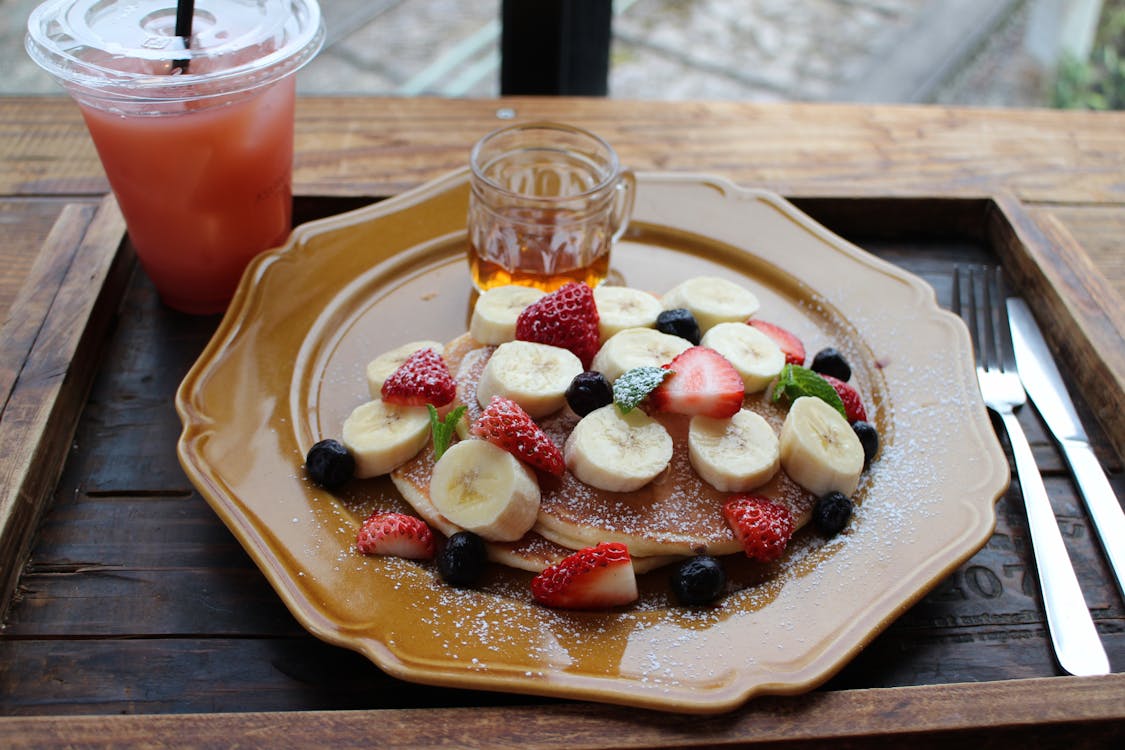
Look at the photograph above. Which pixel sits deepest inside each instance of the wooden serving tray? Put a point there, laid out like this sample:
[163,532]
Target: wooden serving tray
[129,596]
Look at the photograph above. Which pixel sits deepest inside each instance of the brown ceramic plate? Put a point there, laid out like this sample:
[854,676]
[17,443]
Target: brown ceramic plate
[286,367]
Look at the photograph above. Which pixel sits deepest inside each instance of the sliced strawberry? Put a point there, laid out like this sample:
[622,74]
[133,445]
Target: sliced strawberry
[422,379]
[789,344]
[567,318]
[395,534]
[762,526]
[505,424]
[591,578]
[853,404]
[702,382]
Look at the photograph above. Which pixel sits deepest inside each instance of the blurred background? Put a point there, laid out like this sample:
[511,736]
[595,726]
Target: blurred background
[1007,53]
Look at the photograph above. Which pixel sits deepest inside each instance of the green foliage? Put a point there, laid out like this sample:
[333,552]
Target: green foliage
[1098,83]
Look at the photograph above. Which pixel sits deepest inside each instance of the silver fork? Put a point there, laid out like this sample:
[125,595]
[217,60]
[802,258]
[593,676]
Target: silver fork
[1073,635]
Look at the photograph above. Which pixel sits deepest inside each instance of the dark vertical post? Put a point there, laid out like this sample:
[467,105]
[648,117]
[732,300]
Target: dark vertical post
[558,47]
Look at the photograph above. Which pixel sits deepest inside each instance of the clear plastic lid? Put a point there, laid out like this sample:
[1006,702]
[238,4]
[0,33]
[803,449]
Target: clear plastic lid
[128,49]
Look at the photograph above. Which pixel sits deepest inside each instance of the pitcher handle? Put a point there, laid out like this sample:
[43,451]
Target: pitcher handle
[626,188]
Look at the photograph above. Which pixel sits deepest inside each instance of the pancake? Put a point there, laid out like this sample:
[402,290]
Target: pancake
[533,552]
[675,515]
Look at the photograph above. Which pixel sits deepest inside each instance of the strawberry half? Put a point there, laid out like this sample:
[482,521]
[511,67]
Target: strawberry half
[591,578]
[853,404]
[422,379]
[505,424]
[567,318]
[762,526]
[702,382]
[789,344]
[395,534]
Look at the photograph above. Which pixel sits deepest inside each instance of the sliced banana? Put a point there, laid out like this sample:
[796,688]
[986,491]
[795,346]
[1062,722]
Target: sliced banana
[496,311]
[380,368]
[735,454]
[621,307]
[712,300]
[636,347]
[535,376]
[486,490]
[819,449]
[381,436]
[617,452]
[755,356]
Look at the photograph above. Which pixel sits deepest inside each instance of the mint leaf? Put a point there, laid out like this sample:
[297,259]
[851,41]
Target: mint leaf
[442,431]
[634,385]
[796,381]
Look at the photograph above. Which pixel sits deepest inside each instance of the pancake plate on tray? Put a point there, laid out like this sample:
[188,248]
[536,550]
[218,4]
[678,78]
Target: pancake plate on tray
[286,366]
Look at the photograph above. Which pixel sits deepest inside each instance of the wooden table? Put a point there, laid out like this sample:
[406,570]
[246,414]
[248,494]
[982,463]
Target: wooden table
[128,596]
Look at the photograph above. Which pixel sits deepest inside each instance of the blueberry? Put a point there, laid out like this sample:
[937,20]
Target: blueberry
[830,362]
[329,464]
[832,512]
[588,391]
[461,561]
[699,580]
[868,438]
[679,322]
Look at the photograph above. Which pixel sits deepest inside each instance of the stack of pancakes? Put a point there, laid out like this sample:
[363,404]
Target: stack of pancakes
[675,515]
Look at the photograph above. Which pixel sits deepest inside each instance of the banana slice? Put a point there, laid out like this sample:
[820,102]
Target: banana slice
[712,300]
[819,449]
[621,307]
[535,376]
[617,452]
[486,490]
[496,311]
[735,454]
[636,347]
[755,356]
[381,436]
[380,368]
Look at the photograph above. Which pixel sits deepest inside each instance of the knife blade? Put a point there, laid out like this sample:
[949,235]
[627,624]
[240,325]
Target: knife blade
[1043,382]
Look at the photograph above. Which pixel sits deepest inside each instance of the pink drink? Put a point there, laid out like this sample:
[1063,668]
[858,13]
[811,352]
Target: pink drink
[195,133]
[202,192]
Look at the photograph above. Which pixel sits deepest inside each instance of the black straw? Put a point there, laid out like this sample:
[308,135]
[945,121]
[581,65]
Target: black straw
[185,10]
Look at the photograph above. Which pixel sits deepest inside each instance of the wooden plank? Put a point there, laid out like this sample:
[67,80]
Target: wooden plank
[88,533]
[1081,314]
[1078,713]
[25,223]
[795,149]
[85,600]
[1100,230]
[51,343]
[289,671]
[36,297]
[204,673]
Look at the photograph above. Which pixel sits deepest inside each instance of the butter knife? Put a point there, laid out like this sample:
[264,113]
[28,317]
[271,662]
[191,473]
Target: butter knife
[1045,385]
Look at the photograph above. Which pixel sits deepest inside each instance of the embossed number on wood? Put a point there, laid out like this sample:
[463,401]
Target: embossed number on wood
[984,582]
[1012,570]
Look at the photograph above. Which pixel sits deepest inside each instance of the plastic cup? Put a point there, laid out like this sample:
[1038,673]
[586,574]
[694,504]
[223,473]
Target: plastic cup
[547,202]
[196,140]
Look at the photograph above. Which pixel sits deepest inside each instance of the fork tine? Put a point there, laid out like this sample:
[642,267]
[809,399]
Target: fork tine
[1003,326]
[988,319]
[964,311]
[955,305]
[976,329]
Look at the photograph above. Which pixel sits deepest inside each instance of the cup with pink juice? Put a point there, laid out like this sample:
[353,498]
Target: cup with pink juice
[195,133]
